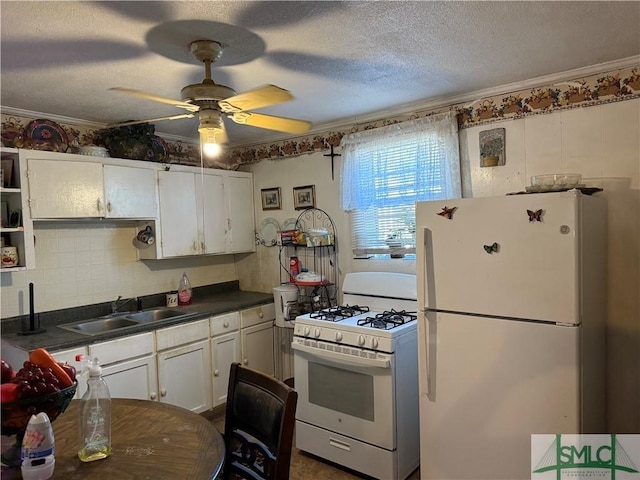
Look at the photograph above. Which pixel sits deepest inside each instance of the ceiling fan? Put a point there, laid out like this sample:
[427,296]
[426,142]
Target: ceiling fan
[211,101]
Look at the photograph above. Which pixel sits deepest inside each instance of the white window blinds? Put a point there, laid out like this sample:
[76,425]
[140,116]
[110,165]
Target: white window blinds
[386,170]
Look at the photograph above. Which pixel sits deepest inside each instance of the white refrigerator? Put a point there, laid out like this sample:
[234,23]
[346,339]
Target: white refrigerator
[512,302]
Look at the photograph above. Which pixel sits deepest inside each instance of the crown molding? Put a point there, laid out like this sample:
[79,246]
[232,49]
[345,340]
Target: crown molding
[473,97]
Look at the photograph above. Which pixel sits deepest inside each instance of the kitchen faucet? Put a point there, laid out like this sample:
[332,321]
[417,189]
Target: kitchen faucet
[119,303]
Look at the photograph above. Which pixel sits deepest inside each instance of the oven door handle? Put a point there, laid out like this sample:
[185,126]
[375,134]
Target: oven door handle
[342,358]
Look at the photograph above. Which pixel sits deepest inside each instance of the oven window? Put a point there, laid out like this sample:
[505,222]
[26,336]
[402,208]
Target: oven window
[341,390]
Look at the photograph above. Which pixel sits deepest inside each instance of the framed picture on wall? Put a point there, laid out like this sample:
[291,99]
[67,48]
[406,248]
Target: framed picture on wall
[271,199]
[304,197]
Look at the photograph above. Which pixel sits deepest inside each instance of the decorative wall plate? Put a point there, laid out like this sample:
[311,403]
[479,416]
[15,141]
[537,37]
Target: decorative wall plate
[46,135]
[159,150]
[268,232]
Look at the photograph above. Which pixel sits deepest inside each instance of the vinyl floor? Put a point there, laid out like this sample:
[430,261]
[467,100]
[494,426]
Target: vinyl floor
[309,467]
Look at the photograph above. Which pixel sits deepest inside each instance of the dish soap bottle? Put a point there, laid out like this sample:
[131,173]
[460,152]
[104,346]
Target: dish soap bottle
[185,296]
[38,447]
[95,416]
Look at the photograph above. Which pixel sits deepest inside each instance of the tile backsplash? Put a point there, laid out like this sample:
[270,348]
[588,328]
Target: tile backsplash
[80,263]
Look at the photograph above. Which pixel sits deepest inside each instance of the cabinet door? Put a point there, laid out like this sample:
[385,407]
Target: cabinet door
[225,349]
[241,223]
[130,192]
[178,217]
[132,378]
[184,376]
[211,212]
[257,347]
[62,189]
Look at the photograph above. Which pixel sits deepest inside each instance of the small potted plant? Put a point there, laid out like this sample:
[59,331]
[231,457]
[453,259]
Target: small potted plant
[490,152]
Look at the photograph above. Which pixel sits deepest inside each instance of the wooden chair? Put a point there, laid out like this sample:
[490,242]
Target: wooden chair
[258,429]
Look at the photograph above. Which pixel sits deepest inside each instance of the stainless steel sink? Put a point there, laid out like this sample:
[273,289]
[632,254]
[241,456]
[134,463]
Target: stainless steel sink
[100,325]
[120,320]
[153,315]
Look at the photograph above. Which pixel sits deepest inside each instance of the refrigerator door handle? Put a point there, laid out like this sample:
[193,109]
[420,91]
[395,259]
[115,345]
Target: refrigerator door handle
[431,353]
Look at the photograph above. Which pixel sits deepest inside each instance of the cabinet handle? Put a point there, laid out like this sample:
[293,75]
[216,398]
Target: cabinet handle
[245,361]
[153,395]
[194,246]
[260,314]
[225,324]
[99,205]
[108,206]
[216,373]
[163,392]
[202,249]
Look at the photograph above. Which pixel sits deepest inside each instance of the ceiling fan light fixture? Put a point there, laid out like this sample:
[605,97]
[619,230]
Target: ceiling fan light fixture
[211,131]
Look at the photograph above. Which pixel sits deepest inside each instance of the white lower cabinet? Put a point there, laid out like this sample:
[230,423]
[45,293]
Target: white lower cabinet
[256,337]
[128,366]
[184,365]
[225,349]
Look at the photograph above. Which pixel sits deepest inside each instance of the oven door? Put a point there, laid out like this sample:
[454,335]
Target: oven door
[344,393]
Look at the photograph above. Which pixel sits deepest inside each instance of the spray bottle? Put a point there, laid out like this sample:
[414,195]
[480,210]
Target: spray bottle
[38,447]
[95,416]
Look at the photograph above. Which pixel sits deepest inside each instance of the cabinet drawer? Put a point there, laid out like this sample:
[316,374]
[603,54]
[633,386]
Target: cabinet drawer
[181,334]
[256,315]
[122,348]
[226,323]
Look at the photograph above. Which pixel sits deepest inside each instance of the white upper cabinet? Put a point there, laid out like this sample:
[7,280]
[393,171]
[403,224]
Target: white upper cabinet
[70,186]
[178,214]
[209,190]
[204,213]
[193,211]
[240,223]
[61,189]
[130,192]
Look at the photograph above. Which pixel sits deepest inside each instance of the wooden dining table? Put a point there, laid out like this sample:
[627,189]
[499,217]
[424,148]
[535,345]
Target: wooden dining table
[149,440]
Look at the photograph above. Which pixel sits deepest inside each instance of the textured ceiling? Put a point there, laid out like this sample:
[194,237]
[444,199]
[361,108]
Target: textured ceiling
[341,60]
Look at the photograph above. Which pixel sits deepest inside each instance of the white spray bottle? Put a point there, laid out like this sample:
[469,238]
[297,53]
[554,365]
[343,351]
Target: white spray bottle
[38,447]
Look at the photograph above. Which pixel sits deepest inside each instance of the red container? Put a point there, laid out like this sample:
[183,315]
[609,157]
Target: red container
[294,268]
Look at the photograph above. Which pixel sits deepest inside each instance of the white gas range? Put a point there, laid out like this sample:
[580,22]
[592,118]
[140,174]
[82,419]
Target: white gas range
[356,373]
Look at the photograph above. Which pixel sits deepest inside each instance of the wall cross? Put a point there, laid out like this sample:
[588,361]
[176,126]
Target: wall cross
[332,155]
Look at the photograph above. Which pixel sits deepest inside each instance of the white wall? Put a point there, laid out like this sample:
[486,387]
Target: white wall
[85,263]
[601,142]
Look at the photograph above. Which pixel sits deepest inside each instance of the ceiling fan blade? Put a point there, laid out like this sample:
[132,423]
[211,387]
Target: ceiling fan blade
[157,98]
[280,124]
[151,120]
[257,98]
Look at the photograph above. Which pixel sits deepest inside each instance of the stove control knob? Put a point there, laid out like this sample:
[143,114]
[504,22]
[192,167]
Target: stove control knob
[338,336]
[361,340]
[307,331]
[316,333]
[374,342]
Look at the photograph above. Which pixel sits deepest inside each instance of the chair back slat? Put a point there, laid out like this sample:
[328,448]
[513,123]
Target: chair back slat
[259,424]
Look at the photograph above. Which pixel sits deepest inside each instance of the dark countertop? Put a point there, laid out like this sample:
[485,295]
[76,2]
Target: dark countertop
[208,301]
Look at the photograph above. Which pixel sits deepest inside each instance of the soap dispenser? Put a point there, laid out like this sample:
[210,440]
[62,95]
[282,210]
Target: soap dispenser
[95,416]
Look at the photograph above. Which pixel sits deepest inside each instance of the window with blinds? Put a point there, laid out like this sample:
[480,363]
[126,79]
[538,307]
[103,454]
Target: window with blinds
[384,175]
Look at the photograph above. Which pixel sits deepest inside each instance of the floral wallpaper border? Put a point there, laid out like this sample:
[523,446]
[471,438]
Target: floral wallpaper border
[608,87]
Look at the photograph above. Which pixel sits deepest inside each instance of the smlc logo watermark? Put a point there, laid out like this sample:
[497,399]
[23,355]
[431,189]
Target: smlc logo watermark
[588,457]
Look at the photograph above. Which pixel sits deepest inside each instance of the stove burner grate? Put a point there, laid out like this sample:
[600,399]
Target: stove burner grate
[335,314]
[388,319]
